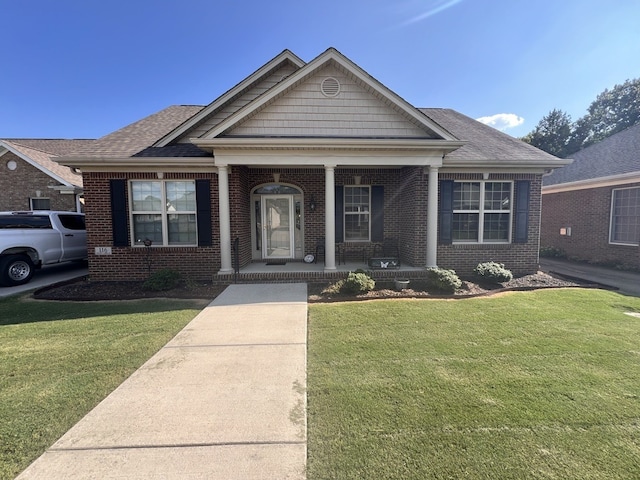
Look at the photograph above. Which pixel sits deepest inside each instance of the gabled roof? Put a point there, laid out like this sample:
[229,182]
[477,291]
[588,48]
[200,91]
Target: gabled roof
[485,145]
[615,156]
[285,57]
[330,56]
[41,154]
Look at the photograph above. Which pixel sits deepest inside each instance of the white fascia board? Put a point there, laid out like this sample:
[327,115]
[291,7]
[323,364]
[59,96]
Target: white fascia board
[324,143]
[610,181]
[532,164]
[139,164]
[341,158]
[225,97]
[308,70]
[35,164]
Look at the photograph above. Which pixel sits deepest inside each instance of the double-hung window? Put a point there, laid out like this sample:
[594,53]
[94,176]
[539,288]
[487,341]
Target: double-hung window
[357,213]
[482,212]
[625,216]
[164,212]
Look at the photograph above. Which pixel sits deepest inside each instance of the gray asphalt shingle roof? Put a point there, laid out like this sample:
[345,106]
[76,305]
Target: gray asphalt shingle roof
[138,136]
[615,155]
[44,151]
[483,142]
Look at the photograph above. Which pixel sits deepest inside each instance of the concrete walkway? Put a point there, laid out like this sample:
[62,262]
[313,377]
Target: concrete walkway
[225,399]
[624,281]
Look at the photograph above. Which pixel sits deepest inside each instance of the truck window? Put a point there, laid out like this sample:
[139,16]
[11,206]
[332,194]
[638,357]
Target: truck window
[25,221]
[72,222]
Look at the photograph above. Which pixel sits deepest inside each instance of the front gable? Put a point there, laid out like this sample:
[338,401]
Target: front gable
[330,103]
[329,97]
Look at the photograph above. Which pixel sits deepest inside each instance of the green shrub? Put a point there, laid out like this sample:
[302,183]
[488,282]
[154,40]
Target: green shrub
[443,280]
[357,283]
[493,272]
[552,252]
[164,279]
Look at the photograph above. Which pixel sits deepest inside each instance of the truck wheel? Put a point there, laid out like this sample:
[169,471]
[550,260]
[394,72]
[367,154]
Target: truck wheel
[15,270]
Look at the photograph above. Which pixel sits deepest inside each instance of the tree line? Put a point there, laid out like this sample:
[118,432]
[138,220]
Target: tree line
[611,112]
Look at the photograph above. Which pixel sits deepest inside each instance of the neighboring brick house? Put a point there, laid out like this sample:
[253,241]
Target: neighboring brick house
[305,155]
[591,208]
[30,179]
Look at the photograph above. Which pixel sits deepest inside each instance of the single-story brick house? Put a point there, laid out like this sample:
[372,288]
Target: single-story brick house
[309,158]
[591,208]
[31,179]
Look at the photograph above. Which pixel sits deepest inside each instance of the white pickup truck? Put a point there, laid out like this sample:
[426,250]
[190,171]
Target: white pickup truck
[29,240]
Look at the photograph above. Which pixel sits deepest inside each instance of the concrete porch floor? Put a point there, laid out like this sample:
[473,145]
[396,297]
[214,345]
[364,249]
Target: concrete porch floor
[318,268]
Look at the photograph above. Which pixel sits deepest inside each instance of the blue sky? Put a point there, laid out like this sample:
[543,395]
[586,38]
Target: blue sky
[84,68]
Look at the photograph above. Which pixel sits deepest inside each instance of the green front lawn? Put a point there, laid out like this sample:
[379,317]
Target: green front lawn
[539,384]
[60,359]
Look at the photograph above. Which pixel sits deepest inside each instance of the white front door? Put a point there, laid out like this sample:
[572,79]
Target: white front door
[277,226]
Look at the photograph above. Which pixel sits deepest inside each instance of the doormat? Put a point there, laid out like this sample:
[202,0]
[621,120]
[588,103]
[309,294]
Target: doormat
[277,262]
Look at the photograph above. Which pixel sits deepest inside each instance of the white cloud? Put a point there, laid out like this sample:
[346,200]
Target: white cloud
[502,121]
[433,8]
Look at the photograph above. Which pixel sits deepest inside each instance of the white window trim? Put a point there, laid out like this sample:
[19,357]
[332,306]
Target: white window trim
[613,195]
[345,213]
[163,214]
[482,211]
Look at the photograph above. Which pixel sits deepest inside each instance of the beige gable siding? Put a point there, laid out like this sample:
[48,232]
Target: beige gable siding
[305,111]
[238,103]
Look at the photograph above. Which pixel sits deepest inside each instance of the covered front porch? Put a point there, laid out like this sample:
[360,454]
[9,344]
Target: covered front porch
[316,272]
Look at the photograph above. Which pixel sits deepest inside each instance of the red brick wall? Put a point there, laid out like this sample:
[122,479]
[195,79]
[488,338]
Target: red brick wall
[405,219]
[19,185]
[587,212]
[129,263]
[520,258]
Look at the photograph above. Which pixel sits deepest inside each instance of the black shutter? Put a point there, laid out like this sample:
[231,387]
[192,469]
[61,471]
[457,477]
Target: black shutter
[523,190]
[377,213]
[339,214]
[118,190]
[203,209]
[446,211]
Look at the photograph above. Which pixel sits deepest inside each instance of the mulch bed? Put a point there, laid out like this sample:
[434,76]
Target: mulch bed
[85,290]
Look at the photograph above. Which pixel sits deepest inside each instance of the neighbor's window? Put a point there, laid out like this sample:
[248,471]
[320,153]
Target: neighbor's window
[625,216]
[357,202]
[40,203]
[482,212]
[164,212]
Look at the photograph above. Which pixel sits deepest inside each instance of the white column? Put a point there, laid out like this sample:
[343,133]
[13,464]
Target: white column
[329,217]
[432,218]
[225,220]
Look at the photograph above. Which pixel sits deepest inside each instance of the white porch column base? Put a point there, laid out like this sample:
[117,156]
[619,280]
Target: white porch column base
[226,265]
[432,218]
[329,218]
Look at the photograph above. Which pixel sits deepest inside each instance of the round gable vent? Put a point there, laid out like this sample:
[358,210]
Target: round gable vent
[330,87]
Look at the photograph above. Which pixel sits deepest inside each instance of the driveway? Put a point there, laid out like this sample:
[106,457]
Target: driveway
[624,281]
[48,275]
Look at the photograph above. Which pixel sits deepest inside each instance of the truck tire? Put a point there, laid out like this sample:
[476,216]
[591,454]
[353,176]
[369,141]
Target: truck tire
[15,270]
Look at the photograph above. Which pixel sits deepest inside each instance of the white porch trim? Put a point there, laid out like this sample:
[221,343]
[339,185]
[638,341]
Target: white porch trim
[329,218]
[225,220]
[432,218]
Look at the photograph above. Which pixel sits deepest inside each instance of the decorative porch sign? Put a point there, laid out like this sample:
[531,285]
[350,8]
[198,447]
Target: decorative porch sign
[384,262]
